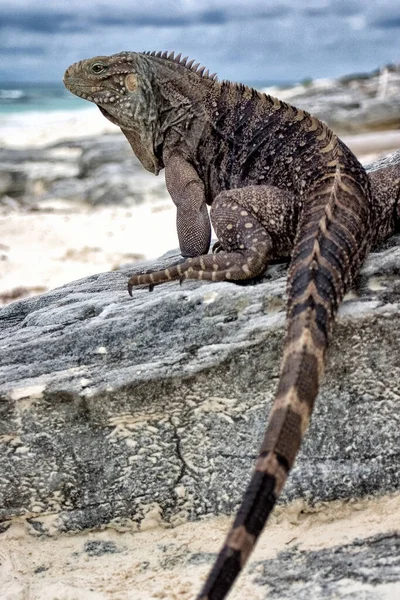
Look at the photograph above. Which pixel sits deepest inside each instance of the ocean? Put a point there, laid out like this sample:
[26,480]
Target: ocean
[33,114]
[48,97]
[35,97]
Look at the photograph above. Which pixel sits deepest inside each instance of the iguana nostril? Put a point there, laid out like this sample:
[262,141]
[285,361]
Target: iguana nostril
[68,73]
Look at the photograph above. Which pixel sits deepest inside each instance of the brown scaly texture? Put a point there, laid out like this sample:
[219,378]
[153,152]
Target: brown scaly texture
[280,183]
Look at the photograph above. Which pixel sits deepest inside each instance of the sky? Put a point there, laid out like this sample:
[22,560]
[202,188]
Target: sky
[242,40]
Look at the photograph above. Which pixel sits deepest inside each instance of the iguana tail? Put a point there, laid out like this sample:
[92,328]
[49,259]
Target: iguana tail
[332,241]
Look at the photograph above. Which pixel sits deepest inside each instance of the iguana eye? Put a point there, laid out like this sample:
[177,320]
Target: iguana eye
[98,68]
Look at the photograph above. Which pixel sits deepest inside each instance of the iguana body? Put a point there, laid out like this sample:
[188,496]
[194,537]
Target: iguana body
[280,184]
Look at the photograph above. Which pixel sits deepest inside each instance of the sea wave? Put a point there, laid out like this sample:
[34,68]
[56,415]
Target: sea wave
[38,128]
[30,118]
[11,95]
[18,98]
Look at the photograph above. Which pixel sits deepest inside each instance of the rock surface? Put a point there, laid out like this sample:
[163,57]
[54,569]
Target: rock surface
[122,410]
[353,103]
[386,161]
[367,568]
[100,170]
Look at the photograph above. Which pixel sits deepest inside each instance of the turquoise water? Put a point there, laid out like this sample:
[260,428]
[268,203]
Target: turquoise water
[19,98]
[27,97]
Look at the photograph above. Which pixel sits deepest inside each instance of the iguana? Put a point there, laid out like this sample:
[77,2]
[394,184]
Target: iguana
[280,184]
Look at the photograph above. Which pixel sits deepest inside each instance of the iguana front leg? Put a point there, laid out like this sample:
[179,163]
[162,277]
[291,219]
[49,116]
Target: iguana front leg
[187,192]
[243,223]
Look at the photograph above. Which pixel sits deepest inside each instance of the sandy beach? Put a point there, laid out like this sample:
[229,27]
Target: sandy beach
[160,563]
[63,240]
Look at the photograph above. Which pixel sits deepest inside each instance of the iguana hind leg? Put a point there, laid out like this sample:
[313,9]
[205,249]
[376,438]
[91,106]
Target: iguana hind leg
[243,251]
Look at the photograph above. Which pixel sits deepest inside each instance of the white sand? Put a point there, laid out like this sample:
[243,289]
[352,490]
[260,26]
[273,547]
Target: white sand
[41,251]
[64,240]
[151,564]
[35,129]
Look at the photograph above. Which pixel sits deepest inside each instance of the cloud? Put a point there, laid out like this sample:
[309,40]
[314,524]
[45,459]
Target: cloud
[240,39]
[384,15]
[51,19]
[223,16]
[387,23]
[26,50]
[34,20]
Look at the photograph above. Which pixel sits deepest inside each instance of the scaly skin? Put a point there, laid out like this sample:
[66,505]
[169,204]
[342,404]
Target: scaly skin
[280,184]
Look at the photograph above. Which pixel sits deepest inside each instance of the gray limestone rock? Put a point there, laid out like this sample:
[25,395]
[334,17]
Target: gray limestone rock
[111,174]
[366,569]
[354,103]
[101,170]
[30,172]
[107,149]
[68,189]
[13,180]
[119,184]
[111,405]
[386,161]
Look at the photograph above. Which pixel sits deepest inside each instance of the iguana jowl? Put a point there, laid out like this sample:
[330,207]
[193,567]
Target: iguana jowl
[280,183]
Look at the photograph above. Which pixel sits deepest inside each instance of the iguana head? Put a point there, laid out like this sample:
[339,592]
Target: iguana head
[121,87]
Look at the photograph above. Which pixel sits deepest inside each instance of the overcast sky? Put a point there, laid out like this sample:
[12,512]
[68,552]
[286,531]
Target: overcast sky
[248,40]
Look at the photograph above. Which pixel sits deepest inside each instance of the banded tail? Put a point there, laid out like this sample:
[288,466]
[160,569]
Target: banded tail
[332,241]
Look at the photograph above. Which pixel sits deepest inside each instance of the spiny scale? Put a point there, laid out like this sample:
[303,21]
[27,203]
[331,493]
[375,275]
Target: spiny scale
[195,67]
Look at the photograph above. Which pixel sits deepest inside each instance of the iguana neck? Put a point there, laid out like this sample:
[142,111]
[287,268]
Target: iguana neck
[180,96]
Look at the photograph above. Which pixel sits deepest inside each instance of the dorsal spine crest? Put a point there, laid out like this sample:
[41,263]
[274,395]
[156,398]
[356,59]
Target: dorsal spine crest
[191,65]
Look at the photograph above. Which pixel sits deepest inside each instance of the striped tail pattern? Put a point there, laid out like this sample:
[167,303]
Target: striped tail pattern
[333,239]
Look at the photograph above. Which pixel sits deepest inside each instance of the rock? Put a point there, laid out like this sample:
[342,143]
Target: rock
[105,150]
[368,568]
[42,174]
[29,173]
[112,407]
[67,189]
[122,185]
[26,155]
[387,161]
[13,180]
[97,171]
[164,398]
[351,104]
[113,175]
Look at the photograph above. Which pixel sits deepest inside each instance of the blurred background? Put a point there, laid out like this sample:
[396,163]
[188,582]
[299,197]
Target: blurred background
[74,201]
[257,41]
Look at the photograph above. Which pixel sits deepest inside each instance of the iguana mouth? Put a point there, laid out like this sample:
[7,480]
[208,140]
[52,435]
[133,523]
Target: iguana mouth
[113,119]
[108,116]
[82,91]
